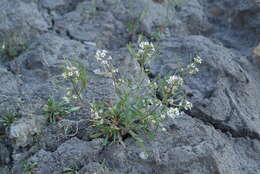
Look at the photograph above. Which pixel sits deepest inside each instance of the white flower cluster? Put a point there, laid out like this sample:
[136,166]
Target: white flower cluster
[175,80]
[143,155]
[192,68]
[197,60]
[70,72]
[146,49]
[101,56]
[94,114]
[70,96]
[187,105]
[173,83]
[144,45]
[172,113]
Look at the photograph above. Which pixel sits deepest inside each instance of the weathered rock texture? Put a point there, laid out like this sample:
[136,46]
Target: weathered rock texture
[220,135]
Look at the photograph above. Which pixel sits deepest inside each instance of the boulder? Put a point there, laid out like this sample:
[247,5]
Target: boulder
[71,153]
[188,146]
[20,19]
[23,130]
[224,92]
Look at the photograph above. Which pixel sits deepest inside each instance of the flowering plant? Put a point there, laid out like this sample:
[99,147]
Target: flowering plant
[132,114]
[145,51]
[75,73]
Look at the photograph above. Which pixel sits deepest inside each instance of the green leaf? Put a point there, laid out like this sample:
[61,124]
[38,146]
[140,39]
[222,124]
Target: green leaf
[96,135]
[73,109]
[67,170]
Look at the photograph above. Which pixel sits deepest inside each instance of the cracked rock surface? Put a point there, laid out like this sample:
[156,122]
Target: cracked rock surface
[220,135]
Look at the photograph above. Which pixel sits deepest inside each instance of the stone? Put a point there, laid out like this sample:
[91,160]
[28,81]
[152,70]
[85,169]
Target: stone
[219,135]
[219,84]
[71,153]
[23,130]
[4,155]
[189,147]
[21,19]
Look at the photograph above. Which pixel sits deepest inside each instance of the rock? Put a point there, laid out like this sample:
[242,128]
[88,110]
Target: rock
[189,146]
[10,98]
[219,135]
[53,4]
[10,84]
[89,25]
[4,170]
[20,19]
[4,155]
[191,19]
[94,167]
[150,14]
[41,63]
[72,153]
[22,130]
[224,93]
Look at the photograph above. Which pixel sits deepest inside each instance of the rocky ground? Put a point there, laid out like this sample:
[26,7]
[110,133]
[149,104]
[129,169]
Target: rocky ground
[220,135]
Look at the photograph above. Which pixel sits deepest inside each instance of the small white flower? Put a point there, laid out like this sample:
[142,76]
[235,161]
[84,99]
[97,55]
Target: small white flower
[68,93]
[94,114]
[115,70]
[70,74]
[143,155]
[104,62]
[66,99]
[103,54]
[64,75]
[76,73]
[192,68]
[173,112]
[163,116]
[75,97]
[3,46]
[175,80]
[198,60]
[187,105]
[163,129]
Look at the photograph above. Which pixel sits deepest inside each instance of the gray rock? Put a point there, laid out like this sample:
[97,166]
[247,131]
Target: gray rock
[188,146]
[224,91]
[22,19]
[22,130]
[190,19]
[41,64]
[221,133]
[87,24]
[94,167]
[4,155]
[150,14]
[10,84]
[72,153]
[53,4]
[4,170]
